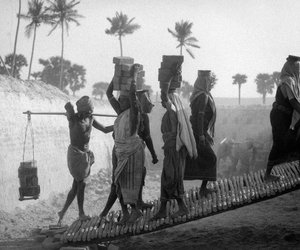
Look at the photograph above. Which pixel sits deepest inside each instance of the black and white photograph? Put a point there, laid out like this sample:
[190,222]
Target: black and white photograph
[149,124]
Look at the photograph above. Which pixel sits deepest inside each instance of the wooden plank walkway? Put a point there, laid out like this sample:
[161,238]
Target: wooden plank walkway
[229,194]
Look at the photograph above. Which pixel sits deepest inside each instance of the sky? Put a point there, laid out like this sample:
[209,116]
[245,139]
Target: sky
[235,36]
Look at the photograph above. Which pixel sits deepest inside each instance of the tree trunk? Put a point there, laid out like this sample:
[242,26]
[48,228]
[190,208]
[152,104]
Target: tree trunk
[61,57]
[264,98]
[16,39]
[239,94]
[181,50]
[121,47]
[32,52]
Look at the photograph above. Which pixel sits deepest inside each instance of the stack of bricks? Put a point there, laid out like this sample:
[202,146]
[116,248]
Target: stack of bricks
[170,72]
[123,75]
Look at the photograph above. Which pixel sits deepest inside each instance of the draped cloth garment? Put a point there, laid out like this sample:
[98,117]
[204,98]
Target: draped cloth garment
[184,136]
[290,77]
[204,166]
[174,161]
[79,162]
[129,149]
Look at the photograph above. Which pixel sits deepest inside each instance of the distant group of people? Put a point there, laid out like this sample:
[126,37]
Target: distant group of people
[188,153]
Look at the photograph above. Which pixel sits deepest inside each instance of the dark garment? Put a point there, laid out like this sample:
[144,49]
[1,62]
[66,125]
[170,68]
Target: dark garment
[205,166]
[282,103]
[280,122]
[144,134]
[280,118]
[174,161]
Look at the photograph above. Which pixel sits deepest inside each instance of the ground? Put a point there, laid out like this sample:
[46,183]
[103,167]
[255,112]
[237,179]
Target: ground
[272,224]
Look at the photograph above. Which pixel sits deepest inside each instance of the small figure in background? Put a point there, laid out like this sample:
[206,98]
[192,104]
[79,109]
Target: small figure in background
[80,157]
[203,117]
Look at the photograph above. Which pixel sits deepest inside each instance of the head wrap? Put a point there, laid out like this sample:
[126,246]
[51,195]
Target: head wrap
[201,84]
[290,76]
[85,104]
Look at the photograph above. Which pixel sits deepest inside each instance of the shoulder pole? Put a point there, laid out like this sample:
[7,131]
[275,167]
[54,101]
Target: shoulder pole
[61,113]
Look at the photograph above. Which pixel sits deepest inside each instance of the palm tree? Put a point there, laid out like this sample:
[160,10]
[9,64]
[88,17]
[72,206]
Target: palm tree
[62,13]
[276,77]
[186,89]
[183,35]
[121,26]
[239,80]
[265,84]
[16,39]
[36,15]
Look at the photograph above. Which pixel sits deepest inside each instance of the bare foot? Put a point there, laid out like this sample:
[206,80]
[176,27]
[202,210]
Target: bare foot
[206,191]
[271,178]
[142,205]
[134,216]
[159,215]
[84,217]
[60,217]
[124,219]
[180,212]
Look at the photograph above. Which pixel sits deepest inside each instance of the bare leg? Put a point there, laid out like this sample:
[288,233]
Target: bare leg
[80,200]
[162,212]
[141,204]
[71,196]
[182,208]
[125,212]
[110,201]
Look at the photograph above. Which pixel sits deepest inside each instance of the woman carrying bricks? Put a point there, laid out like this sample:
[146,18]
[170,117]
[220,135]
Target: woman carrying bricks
[144,133]
[178,142]
[128,152]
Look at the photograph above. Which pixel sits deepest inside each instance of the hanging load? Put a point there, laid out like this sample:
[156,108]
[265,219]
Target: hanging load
[27,172]
[29,188]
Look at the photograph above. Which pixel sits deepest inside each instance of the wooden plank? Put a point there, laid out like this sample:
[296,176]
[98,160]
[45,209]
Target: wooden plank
[123,60]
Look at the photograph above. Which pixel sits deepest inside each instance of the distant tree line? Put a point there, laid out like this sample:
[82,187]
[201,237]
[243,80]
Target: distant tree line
[265,83]
[62,73]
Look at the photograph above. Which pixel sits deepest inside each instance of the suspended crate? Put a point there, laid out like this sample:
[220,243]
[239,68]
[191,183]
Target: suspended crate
[27,171]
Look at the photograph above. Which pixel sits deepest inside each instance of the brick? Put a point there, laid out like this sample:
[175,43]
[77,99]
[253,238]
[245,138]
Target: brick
[123,60]
[173,58]
[126,80]
[164,75]
[126,67]
[173,85]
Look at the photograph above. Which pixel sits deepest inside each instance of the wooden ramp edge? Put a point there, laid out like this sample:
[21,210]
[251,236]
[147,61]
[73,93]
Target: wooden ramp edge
[230,193]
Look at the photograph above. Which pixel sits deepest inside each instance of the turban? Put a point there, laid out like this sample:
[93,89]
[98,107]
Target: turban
[85,104]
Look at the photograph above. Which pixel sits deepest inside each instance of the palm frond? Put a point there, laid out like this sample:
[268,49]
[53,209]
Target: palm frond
[28,29]
[191,39]
[54,27]
[173,33]
[190,53]
[193,45]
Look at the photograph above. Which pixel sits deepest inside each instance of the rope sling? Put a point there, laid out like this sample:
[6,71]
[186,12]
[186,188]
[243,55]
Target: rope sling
[27,172]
